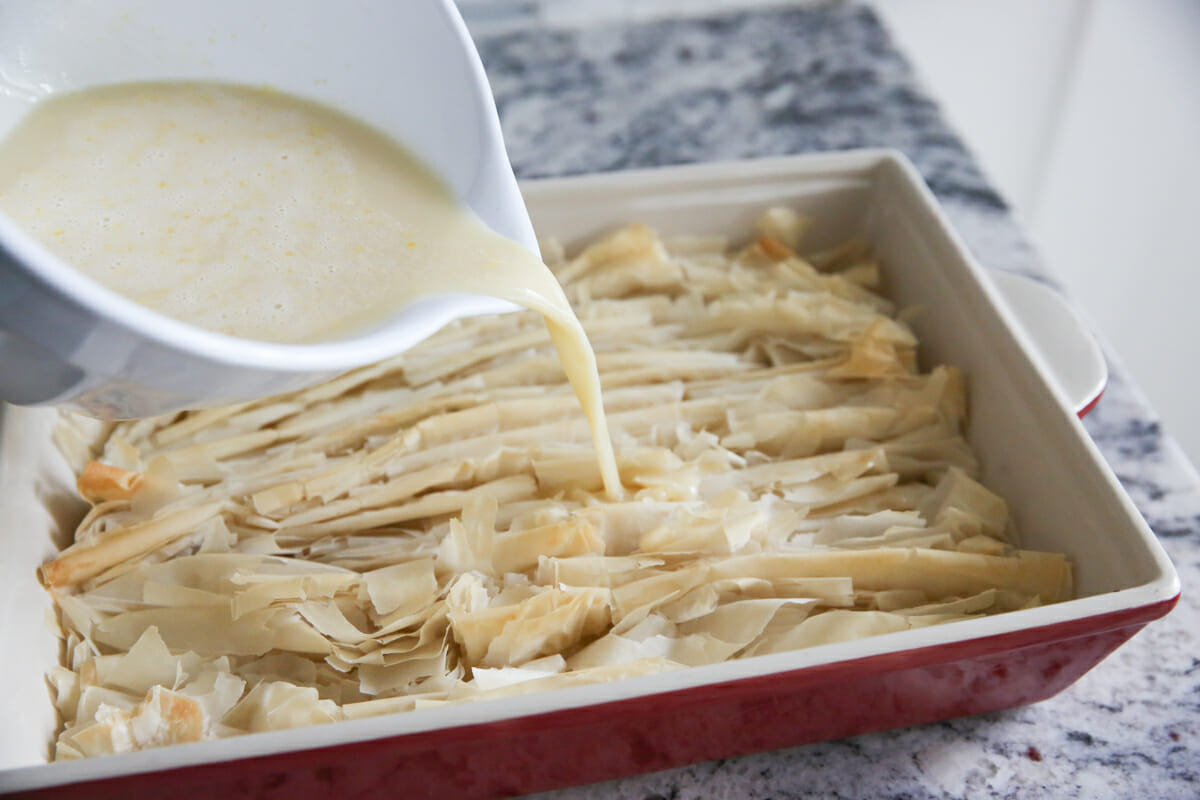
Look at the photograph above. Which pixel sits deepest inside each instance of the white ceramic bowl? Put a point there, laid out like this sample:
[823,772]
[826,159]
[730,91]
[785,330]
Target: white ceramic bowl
[408,68]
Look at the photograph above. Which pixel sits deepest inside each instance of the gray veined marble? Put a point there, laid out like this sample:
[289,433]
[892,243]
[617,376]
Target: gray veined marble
[771,81]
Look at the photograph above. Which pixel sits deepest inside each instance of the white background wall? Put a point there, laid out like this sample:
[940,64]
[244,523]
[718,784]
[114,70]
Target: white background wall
[1086,114]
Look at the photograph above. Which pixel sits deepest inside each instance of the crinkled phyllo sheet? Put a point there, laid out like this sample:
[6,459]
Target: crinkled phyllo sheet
[432,529]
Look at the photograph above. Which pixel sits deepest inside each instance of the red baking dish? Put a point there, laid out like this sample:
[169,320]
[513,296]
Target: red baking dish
[1025,388]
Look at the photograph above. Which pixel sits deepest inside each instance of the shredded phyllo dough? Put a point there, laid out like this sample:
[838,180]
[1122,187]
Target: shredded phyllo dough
[432,529]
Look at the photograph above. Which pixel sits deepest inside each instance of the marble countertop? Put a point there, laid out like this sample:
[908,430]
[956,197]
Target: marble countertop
[608,95]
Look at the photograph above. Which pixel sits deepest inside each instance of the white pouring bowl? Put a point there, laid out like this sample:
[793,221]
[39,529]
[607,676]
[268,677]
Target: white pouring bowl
[407,68]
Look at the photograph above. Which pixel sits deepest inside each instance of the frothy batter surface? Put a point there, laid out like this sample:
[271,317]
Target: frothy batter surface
[246,211]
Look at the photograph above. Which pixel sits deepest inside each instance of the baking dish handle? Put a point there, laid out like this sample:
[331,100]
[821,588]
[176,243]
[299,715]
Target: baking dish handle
[1066,345]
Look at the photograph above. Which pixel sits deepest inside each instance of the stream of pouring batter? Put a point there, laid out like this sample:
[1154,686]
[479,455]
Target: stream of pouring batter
[260,215]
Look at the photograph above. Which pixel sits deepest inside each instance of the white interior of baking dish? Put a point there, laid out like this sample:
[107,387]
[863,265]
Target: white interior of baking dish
[1033,449]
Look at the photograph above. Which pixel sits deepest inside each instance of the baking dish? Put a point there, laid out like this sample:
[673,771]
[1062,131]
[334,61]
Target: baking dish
[1023,427]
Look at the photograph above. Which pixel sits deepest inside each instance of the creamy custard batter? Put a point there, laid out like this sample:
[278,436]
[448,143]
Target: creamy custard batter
[260,215]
